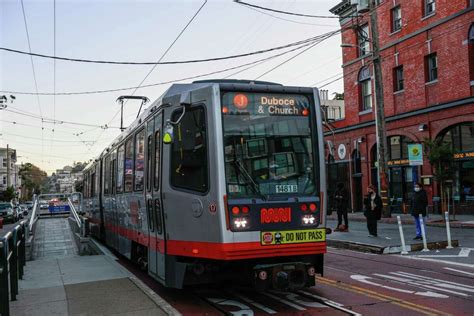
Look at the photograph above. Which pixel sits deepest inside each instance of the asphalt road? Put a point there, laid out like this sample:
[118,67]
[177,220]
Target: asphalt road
[354,283]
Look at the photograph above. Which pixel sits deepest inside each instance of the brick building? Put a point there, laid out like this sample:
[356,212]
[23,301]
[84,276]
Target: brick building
[427,56]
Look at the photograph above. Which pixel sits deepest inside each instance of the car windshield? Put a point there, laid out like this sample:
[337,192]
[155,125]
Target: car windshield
[268,145]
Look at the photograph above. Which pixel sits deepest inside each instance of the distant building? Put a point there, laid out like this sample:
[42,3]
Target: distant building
[334,109]
[15,180]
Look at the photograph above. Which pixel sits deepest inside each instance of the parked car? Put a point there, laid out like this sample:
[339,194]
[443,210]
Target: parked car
[43,204]
[7,212]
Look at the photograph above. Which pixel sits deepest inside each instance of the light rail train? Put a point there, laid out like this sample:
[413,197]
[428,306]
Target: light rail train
[217,180]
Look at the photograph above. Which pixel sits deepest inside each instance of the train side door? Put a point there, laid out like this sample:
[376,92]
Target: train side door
[156,248]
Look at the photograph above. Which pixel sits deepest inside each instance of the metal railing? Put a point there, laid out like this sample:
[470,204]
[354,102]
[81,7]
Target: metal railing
[12,261]
[74,213]
[33,216]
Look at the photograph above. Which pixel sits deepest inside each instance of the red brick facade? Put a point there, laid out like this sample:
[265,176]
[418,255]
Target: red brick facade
[437,105]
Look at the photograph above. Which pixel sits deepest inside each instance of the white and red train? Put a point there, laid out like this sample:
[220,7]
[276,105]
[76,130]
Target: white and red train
[217,180]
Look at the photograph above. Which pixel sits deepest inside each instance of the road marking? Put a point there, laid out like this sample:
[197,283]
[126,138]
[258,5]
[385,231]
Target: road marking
[441,261]
[384,298]
[281,300]
[364,279]
[460,271]
[244,309]
[421,284]
[251,302]
[433,279]
[328,302]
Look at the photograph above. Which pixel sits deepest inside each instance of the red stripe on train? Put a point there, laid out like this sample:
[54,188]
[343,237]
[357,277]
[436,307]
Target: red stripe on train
[219,251]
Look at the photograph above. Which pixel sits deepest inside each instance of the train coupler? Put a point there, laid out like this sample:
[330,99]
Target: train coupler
[284,276]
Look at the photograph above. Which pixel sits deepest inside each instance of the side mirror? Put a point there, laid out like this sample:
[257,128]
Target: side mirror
[168,131]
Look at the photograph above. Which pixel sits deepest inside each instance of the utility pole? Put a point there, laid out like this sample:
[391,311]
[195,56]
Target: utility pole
[8,167]
[382,153]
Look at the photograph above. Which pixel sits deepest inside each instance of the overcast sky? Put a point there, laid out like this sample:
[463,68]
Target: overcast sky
[138,31]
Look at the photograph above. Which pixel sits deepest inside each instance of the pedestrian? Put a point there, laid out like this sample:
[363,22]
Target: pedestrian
[341,198]
[419,203]
[372,210]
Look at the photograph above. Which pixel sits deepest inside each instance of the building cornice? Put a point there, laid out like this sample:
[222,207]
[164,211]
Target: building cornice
[393,118]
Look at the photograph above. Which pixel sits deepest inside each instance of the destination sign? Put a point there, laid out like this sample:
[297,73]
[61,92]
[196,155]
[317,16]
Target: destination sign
[264,104]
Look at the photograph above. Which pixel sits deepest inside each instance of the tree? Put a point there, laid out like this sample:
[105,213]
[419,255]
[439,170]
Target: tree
[9,194]
[338,96]
[441,157]
[33,180]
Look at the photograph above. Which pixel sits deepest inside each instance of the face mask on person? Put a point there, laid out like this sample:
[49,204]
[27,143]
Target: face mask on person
[417,189]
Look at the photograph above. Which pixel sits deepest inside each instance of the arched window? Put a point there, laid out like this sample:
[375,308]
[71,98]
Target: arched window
[398,147]
[471,56]
[461,136]
[365,90]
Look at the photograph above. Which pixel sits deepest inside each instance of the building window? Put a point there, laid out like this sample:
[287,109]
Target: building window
[398,78]
[431,66]
[396,14]
[399,147]
[363,40]
[429,7]
[4,162]
[471,54]
[365,83]
[189,166]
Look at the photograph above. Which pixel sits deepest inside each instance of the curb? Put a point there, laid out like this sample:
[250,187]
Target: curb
[393,221]
[158,300]
[376,249]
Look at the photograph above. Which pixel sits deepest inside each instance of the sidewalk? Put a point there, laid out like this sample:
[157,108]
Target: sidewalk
[388,240]
[59,282]
[461,221]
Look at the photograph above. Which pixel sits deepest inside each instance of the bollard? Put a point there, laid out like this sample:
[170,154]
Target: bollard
[4,296]
[402,237]
[448,230]
[423,234]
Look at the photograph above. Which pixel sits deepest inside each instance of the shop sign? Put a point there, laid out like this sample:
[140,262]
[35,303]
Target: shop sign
[464,155]
[398,162]
[415,154]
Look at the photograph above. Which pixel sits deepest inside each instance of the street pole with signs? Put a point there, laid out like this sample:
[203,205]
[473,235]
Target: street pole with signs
[382,154]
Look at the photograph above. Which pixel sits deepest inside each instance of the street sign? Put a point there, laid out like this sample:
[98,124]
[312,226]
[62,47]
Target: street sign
[415,154]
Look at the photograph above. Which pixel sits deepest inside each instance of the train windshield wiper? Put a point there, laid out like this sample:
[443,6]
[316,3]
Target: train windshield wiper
[253,184]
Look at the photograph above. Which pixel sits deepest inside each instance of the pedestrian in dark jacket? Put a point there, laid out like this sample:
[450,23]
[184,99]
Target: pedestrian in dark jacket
[341,198]
[418,206]
[372,210]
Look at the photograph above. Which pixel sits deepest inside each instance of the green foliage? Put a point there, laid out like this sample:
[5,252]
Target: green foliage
[441,158]
[338,96]
[9,194]
[33,180]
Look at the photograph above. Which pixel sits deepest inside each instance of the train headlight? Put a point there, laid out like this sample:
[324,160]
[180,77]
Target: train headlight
[308,220]
[241,223]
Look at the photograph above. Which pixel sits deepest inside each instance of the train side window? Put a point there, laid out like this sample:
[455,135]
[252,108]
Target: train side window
[139,160]
[189,166]
[97,189]
[92,186]
[107,175]
[120,156]
[112,175]
[149,160]
[128,165]
[157,160]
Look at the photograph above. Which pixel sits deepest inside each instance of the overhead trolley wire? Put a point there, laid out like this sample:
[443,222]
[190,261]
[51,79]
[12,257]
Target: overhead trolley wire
[311,39]
[165,82]
[287,12]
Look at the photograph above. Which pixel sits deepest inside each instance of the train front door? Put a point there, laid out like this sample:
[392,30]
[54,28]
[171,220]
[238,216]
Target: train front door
[156,247]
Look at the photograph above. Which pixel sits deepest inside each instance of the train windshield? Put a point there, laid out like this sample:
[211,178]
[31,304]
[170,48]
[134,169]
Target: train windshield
[268,145]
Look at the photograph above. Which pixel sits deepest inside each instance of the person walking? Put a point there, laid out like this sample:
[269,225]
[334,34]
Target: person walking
[342,198]
[372,210]
[419,203]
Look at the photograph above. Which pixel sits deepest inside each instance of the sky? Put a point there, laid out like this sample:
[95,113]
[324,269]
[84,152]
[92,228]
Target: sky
[141,31]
